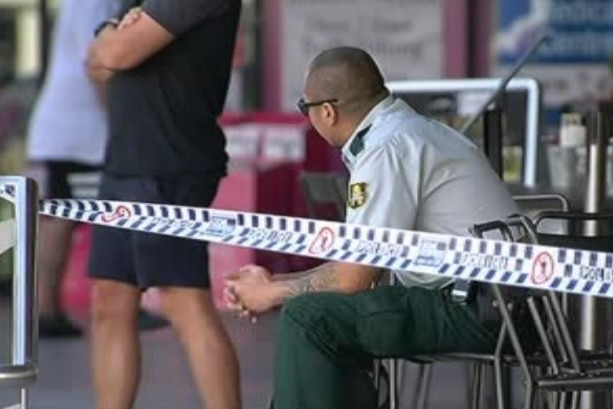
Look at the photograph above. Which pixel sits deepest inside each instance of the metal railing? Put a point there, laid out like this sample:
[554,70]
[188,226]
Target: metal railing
[533,107]
[22,370]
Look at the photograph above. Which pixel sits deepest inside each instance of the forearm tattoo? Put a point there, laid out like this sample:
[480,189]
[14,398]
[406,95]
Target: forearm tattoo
[322,278]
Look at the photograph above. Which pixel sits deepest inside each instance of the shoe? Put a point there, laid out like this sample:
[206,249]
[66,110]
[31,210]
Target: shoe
[58,326]
[148,321]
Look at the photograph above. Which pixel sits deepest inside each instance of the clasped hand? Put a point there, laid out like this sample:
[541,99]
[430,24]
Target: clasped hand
[250,291]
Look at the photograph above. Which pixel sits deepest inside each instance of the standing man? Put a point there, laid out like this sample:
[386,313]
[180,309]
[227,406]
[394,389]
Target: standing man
[167,64]
[407,172]
[66,138]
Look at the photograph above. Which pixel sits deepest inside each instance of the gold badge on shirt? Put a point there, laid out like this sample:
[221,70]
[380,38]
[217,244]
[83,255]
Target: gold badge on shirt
[357,195]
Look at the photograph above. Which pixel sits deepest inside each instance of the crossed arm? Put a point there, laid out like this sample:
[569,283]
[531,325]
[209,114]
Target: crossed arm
[145,31]
[124,45]
[136,38]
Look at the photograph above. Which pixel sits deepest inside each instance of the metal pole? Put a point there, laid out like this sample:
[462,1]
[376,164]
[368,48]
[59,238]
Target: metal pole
[25,321]
[492,138]
[593,311]
[22,371]
[504,83]
[24,399]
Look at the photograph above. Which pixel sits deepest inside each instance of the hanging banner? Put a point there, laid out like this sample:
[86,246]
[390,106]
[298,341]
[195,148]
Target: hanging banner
[572,65]
[404,36]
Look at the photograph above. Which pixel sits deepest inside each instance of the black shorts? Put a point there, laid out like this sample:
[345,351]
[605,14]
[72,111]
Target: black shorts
[66,179]
[146,259]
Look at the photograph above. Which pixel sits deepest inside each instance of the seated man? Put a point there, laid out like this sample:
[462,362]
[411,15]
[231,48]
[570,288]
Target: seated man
[407,172]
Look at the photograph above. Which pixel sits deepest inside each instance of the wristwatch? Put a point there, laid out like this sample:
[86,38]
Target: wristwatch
[110,22]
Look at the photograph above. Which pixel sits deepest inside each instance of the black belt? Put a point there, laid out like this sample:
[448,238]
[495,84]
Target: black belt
[464,291]
[477,296]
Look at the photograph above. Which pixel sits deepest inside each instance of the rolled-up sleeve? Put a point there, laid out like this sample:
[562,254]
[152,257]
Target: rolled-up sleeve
[178,16]
[379,193]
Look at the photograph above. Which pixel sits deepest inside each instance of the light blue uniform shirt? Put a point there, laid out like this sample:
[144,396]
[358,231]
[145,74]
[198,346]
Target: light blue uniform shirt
[409,172]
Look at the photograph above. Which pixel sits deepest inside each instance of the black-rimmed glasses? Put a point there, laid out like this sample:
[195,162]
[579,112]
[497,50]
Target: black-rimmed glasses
[304,106]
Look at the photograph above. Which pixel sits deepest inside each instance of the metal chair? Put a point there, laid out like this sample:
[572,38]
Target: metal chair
[498,359]
[566,229]
[574,236]
[558,369]
[531,206]
[534,205]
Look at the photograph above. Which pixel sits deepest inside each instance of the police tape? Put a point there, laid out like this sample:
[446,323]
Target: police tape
[469,258]
[457,257]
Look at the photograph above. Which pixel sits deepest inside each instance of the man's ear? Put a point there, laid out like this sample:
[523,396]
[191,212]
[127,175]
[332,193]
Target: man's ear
[330,113]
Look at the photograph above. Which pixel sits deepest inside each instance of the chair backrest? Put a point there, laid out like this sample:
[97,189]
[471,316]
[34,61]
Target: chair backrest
[576,238]
[542,201]
[534,204]
[518,329]
[547,324]
[576,221]
[325,194]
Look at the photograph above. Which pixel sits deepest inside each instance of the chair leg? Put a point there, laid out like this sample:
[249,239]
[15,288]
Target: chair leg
[529,397]
[376,373]
[393,383]
[380,377]
[422,388]
[558,400]
[499,379]
[421,375]
[24,399]
[575,400]
[477,387]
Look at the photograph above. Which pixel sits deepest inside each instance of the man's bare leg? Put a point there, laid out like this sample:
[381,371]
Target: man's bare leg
[209,349]
[53,251]
[115,344]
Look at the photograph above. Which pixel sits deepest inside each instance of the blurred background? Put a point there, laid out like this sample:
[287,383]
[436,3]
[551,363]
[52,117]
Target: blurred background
[416,42]
[411,40]
[427,49]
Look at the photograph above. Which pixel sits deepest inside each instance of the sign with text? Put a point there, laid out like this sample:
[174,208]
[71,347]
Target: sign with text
[572,64]
[404,36]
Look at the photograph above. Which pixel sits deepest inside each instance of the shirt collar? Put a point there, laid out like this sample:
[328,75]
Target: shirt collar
[355,144]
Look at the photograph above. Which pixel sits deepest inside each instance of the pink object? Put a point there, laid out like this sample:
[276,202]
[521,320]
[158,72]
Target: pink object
[252,187]
[76,285]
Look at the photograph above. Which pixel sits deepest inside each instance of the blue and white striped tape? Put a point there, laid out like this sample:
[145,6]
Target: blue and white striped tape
[518,264]
[469,258]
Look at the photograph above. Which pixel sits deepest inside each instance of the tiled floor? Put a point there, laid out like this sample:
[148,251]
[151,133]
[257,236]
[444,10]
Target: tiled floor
[64,381]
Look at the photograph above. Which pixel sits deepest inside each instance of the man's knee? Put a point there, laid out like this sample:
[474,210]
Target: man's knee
[308,309]
[183,305]
[114,300]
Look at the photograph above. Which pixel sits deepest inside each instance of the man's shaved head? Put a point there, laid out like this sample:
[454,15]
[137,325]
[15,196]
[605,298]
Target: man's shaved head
[347,74]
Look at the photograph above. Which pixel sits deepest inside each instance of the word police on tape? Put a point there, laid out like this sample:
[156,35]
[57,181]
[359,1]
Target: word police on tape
[469,258]
[519,264]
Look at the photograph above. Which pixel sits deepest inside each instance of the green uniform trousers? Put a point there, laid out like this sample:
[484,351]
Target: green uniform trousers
[327,341]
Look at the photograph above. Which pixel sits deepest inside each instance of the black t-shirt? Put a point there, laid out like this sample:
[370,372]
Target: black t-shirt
[163,113]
